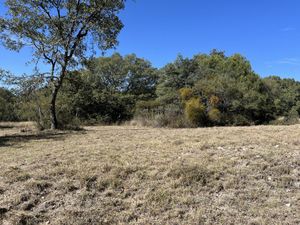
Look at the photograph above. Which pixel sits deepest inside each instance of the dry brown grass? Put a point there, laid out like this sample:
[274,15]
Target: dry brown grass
[134,175]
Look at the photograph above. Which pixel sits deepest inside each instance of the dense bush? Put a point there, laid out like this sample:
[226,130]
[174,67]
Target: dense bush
[195,112]
[215,116]
[8,106]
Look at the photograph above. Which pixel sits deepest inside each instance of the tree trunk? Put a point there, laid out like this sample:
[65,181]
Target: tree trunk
[56,87]
[53,119]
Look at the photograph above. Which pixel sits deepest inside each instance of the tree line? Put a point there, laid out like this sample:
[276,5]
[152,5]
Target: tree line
[205,90]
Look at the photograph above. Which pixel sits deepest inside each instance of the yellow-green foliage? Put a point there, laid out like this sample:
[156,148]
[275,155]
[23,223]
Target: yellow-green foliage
[185,93]
[214,115]
[195,111]
[214,101]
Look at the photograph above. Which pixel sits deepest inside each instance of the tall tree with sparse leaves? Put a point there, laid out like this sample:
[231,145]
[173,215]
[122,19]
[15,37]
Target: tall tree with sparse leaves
[62,33]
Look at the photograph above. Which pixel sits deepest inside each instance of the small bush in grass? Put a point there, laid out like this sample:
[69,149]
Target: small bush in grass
[215,115]
[195,112]
[170,120]
[170,115]
[191,175]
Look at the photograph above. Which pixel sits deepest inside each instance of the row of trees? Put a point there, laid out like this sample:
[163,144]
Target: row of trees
[206,90]
[218,90]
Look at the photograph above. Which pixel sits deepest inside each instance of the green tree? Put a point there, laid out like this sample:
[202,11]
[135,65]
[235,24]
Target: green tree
[173,77]
[109,88]
[285,94]
[127,75]
[8,110]
[60,33]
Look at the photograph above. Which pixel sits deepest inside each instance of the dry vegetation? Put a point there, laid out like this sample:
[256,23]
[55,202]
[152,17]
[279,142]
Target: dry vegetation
[134,175]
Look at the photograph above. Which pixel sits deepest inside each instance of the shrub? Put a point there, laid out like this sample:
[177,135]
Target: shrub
[170,120]
[185,93]
[214,101]
[293,116]
[147,109]
[215,115]
[239,120]
[290,119]
[195,112]
[157,115]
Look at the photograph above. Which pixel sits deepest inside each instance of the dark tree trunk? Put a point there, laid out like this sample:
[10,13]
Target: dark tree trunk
[53,119]
[56,87]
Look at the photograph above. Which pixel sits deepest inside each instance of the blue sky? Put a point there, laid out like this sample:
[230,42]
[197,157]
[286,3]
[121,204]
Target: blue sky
[267,32]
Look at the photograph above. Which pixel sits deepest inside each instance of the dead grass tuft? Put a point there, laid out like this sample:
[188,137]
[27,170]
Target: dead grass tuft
[15,174]
[191,175]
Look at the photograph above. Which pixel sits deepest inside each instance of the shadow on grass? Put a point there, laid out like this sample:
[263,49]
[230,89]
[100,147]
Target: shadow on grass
[5,127]
[14,139]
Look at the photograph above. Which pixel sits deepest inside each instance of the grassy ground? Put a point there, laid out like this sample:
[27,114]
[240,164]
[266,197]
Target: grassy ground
[133,175]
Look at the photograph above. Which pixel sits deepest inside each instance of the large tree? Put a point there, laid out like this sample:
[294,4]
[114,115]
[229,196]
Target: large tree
[108,89]
[62,33]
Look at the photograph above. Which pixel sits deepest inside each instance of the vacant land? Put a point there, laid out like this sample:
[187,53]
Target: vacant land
[135,175]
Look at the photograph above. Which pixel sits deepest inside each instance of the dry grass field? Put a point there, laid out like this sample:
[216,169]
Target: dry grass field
[137,175]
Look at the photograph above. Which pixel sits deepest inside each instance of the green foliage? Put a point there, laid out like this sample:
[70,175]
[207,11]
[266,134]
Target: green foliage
[61,33]
[239,120]
[173,77]
[34,106]
[109,89]
[207,90]
[230,91]
[8,106]
[293,116]
[285,94]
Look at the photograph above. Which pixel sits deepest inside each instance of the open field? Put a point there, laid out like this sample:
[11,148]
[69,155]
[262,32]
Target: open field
[136,175]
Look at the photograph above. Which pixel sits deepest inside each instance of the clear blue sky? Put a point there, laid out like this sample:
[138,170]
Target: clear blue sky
[267,32]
